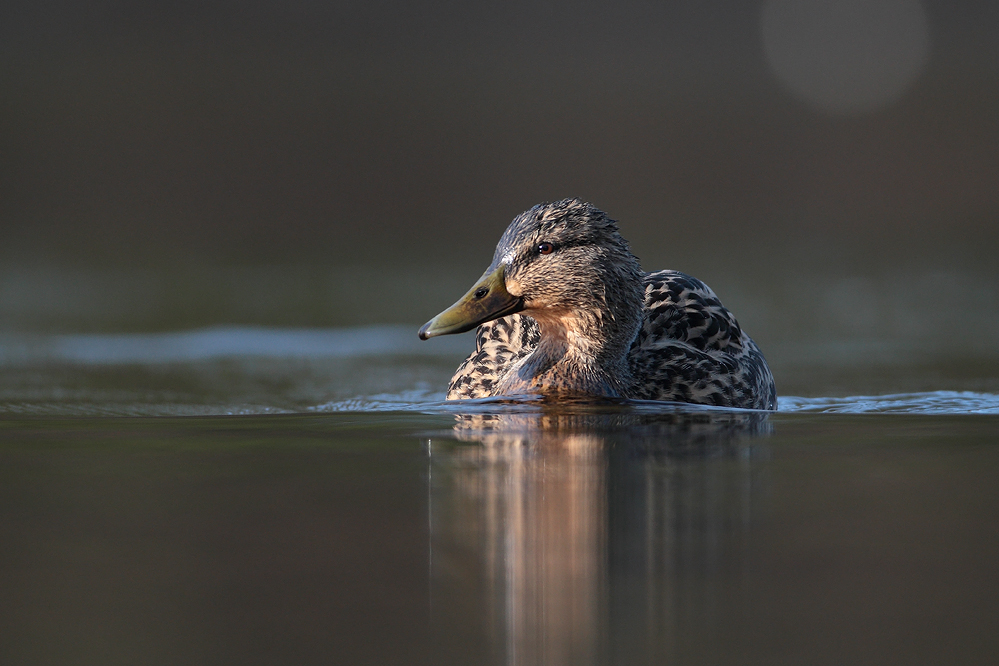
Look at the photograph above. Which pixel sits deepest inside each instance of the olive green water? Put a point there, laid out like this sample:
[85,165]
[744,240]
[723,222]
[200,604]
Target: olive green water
[523,537]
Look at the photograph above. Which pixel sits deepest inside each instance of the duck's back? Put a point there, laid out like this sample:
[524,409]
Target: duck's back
[690,349]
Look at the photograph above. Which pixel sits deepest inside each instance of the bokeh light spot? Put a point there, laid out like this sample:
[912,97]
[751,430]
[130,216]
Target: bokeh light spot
[846,56]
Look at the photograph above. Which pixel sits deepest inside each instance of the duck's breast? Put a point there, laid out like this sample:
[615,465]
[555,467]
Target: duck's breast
[499,344]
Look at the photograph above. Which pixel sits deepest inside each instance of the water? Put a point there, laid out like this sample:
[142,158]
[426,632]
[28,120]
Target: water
[257,370]
[518,538]
[319,502]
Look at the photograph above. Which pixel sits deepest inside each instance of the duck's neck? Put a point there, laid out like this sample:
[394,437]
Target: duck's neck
[581,354]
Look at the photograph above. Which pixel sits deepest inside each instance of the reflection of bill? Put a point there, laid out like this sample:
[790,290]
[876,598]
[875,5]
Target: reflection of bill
[586,522]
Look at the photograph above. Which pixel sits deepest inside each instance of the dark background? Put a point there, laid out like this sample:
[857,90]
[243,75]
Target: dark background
[405,136]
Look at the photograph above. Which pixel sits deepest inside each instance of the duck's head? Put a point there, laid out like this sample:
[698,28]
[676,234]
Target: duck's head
[562,263]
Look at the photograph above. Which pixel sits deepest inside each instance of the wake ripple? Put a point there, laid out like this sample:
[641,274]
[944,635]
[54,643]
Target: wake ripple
[932,402]
[432,402]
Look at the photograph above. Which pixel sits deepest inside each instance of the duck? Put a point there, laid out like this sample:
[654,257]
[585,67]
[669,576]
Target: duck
[565,311]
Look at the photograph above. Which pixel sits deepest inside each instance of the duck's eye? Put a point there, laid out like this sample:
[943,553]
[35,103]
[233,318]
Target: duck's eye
[545,248]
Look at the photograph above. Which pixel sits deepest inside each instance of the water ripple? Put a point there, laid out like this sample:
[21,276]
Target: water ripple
[932,402]
[432,402]
[255,370]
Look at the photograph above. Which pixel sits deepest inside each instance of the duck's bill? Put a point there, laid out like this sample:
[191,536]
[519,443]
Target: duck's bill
[488,299]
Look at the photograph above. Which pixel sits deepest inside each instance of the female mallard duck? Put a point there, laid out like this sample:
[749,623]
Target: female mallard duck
[594,324]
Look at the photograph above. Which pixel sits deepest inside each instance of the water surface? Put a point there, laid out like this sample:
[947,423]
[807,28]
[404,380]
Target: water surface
[259,495]
[523,537]
[257,370]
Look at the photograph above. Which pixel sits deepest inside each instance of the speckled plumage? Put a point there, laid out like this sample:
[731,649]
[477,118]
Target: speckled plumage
[594,324]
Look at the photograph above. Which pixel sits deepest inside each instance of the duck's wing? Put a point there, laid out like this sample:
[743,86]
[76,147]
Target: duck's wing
[498,344]
[692,349]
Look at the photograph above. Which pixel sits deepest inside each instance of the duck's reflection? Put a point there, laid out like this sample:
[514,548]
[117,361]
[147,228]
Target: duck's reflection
[599,533]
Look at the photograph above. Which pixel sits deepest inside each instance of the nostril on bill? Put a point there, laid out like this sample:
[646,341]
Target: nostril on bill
[481,292]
